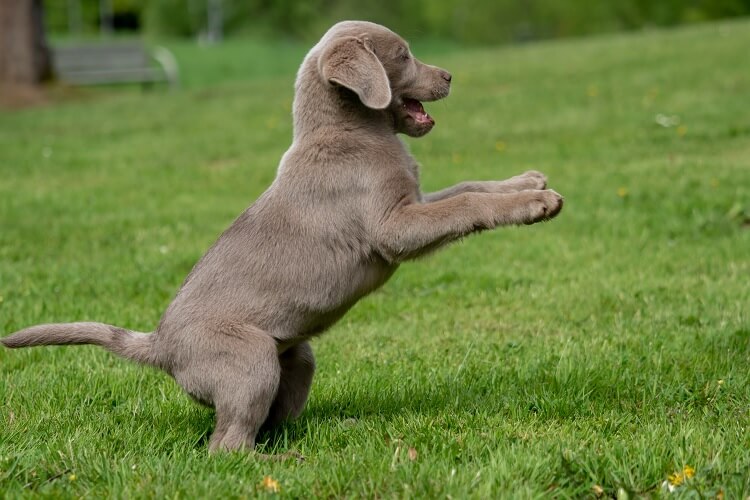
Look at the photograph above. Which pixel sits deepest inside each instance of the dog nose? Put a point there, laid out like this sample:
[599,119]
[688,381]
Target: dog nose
[447,76]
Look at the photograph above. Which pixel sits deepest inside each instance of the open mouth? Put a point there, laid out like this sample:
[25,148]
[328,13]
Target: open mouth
[415,109]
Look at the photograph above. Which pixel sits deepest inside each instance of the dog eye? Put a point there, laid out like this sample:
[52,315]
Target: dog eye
[405,57]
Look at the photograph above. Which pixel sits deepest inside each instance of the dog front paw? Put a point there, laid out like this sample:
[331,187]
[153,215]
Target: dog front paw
[534,179]
[543,205]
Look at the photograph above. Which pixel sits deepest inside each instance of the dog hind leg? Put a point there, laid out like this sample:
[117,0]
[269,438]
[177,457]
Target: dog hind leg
[297,370]
[237,371]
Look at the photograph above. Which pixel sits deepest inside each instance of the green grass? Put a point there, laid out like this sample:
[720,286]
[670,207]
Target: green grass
[608,348]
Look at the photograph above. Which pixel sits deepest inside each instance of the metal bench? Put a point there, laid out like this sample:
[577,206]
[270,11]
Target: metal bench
[108,63]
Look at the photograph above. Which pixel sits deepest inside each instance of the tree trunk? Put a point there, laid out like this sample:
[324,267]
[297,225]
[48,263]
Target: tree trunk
[24,56]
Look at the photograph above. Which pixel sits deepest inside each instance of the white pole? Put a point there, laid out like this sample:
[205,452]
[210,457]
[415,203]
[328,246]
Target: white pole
[215,21]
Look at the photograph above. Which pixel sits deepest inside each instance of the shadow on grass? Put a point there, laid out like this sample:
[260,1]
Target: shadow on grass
[548,389]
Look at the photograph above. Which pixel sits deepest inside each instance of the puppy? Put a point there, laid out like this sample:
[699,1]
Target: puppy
[344,211]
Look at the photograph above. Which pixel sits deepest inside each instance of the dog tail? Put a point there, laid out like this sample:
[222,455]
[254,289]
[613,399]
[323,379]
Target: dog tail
[134,346]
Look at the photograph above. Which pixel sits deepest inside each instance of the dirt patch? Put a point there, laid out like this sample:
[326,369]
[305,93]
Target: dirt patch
[13,96]
[21,96]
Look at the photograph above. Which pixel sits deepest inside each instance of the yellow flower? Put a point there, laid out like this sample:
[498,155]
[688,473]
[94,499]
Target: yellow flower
[681,130]
[72,477]
[270,485]
[677,478]
[500,146]
[622,192]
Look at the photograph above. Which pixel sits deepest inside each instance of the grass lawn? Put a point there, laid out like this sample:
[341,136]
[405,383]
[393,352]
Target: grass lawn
[596,354]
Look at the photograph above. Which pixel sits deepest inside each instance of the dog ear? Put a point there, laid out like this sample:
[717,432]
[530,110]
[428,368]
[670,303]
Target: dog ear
[350,62]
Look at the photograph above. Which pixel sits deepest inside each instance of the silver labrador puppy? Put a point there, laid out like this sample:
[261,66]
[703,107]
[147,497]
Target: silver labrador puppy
[343,212]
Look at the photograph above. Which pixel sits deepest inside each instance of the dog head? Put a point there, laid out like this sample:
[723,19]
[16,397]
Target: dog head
[376,64]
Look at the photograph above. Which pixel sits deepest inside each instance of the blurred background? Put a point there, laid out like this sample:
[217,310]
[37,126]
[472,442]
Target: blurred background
[25,58]
[473,21]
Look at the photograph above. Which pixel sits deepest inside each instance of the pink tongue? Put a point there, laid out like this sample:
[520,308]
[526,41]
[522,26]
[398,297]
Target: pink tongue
[415,108]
